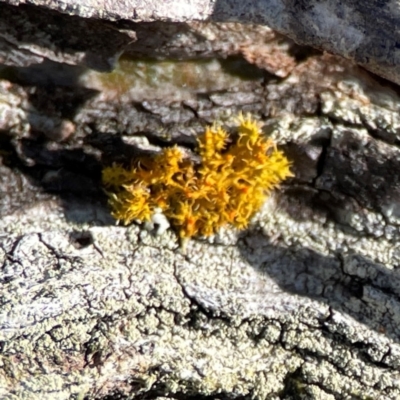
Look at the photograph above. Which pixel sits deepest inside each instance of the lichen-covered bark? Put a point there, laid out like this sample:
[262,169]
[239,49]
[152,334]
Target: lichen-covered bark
[303,304]
[362,31]
[118,310]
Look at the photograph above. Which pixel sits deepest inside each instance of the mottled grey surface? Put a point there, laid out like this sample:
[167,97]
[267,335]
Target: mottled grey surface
[274,312]
[303,304]
[362,31]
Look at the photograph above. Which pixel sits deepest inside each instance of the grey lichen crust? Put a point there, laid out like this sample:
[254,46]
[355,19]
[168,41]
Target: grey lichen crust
[130,313]
[303,304]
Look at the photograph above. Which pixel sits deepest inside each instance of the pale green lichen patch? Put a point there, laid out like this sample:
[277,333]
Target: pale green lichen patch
[141,78]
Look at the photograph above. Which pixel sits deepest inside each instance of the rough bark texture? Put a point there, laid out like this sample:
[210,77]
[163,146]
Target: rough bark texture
[366,32]
[305,304]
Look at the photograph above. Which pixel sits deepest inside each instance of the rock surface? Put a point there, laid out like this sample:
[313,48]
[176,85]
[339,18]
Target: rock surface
[303,304]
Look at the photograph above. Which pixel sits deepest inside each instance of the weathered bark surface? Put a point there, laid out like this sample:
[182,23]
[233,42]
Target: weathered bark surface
[303,304]
[366,32]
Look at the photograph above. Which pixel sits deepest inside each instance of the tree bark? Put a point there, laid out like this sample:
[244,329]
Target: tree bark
[365,32]
[302,304]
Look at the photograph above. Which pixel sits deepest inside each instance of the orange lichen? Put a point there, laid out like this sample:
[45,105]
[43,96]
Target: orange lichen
[228,187]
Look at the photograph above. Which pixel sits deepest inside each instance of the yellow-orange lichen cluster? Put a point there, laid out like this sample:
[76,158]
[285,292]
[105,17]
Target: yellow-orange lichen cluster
[227,187]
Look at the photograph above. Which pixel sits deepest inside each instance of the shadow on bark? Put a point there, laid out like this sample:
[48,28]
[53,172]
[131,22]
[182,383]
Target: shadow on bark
[47,159]
[58,37]
[351,284]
